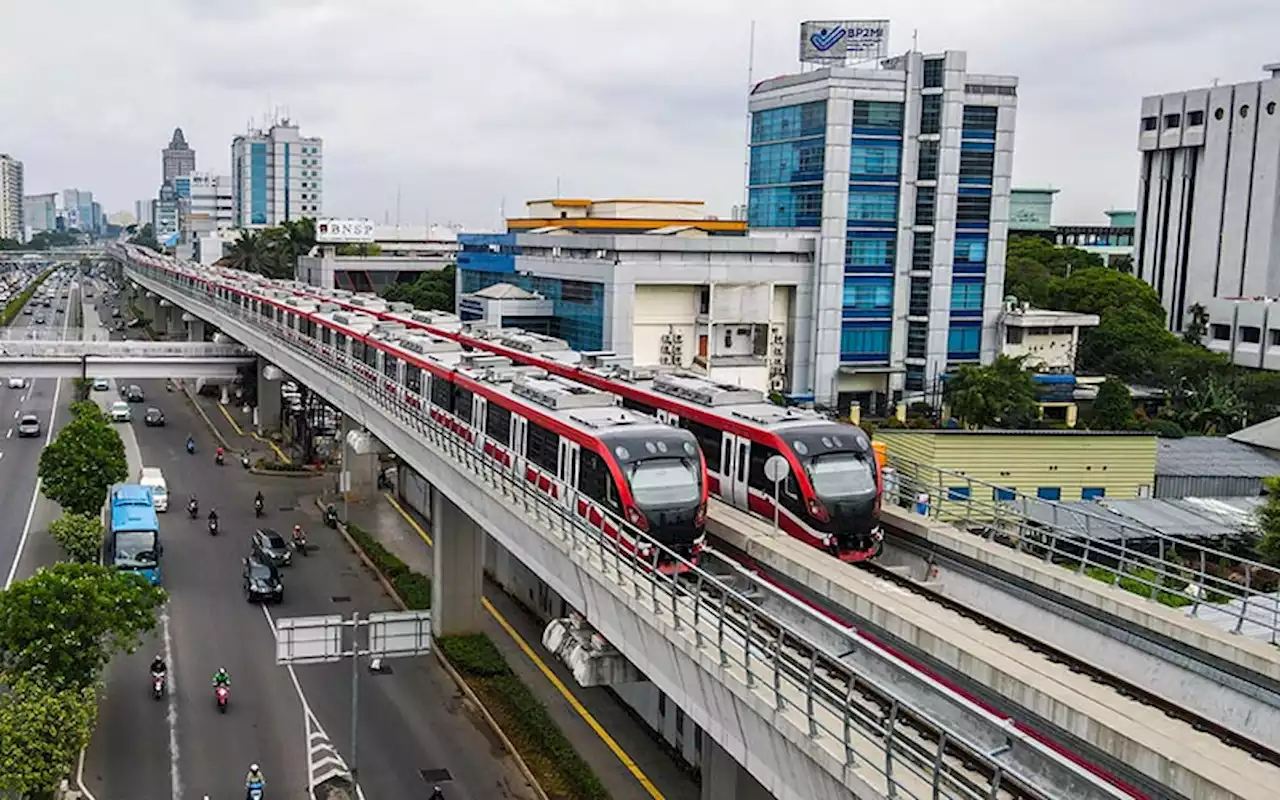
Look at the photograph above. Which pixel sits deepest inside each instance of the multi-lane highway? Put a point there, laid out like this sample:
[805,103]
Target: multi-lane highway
[20,457]
[411,720]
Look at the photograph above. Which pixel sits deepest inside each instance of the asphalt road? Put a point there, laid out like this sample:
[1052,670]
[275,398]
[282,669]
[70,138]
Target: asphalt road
[410,720]
[19,458]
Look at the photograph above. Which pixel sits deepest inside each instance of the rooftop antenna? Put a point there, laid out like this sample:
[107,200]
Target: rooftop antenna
[397,206]
[915,40]
[746,159]
[557,187]
[1214,82]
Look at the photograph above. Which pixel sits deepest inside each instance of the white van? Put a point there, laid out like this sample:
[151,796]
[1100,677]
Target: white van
[153,479]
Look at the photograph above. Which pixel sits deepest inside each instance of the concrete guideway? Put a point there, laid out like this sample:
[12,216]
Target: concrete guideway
[1138,743]
[102,358]
[616,596]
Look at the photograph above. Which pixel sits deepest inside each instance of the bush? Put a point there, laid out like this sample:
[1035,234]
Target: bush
[280,466]
[414,589]
[1166,429]
[559,769]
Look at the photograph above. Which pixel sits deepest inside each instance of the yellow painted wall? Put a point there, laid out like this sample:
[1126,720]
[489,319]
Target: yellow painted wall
[1123,465]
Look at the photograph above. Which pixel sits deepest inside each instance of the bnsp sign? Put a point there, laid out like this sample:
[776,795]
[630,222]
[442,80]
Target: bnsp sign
[344,230]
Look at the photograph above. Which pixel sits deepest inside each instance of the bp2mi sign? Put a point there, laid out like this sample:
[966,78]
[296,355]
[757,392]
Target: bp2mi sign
[835,42]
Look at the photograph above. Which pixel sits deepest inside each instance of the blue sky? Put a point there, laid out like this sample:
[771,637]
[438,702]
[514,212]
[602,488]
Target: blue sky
[462,107]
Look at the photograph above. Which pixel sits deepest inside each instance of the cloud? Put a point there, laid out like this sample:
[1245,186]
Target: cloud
[461,107]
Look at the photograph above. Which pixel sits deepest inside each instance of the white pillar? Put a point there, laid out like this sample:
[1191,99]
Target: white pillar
[723,778]
[268,417]
[359,463]
[195,330]
[458,552]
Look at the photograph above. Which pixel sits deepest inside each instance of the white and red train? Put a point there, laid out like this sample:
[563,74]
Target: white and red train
[830,497]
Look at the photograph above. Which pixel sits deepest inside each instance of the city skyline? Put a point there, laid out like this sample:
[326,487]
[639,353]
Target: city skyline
[630,125]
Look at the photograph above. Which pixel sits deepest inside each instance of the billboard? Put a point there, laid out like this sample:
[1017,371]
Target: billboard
[334,231]
[836,42]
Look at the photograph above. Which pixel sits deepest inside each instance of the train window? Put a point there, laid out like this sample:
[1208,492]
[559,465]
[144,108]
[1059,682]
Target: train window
[340,342]
[543,447]
[760,453]
[326,336]
[441,393]
[357,350]
[309,328]
[593,475]
[708,439]
[627,402]
[390,366]
[462,399]
[370,356]
[497,424]
[413,378]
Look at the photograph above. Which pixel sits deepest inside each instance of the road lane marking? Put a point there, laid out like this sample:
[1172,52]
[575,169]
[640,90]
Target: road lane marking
[35,495]
[609,741]
[175,773]
[9,435]
[308,720]
[84,790]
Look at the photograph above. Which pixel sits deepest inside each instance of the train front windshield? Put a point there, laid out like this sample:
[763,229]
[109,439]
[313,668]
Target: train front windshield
[842,476]
[665,483]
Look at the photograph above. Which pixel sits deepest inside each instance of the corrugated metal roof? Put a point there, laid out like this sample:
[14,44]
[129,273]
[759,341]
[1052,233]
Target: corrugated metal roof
[1187,517]
[1082,432]
[1264,434]
[1213,456]
[1259,615]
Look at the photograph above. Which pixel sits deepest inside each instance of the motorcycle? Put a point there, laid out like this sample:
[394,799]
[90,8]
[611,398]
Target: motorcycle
[221,695]
[157,685]
[300,543]
[213,527]
[193,509]
[255,790]
[191,447]
[244,461]
[257,506]
[331,517]
[218,459]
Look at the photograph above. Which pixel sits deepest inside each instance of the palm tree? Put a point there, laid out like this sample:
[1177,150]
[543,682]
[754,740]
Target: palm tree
[248,253]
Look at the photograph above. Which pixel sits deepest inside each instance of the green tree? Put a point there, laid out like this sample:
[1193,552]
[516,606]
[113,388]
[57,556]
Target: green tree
[1131,347]
[1268,518]
[432,291]
[1098,290]
[359,249]
[301,234]
[1002,395]
[42,731]
[80,536]
[78,467]
[66,622]
[247,253]
[146,237]
[1197,325]
[1113,407]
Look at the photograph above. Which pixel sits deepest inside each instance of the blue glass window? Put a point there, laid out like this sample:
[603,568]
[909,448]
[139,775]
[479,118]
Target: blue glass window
[979,122]
[258,183]
[860,341]
[870,251]
[1004,495]
[970,253]
[873,204]
[877,119]
[959,492]
[287,166]
[964,341]
[1049,493]
[1093,493]
[966,296]
[787,162]
[785,207]
[868,297]
[875,160]
[789,122]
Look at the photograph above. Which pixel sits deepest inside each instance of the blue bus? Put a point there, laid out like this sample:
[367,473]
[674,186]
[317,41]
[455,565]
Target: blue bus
[133,531]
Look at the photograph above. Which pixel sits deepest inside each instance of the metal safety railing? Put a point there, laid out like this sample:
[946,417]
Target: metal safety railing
[911,755]
[69,348]
[1233,591]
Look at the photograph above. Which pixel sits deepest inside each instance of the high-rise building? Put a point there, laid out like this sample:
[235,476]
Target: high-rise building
[11,214]
[145,211]
[277,176]
[178,158]
[77,209]
[206,205]
[902,172]
[166,213]
[1208,222]
[40,212]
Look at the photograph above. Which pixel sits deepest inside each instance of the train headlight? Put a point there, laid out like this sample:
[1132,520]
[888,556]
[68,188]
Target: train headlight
[637,518]
[818,510]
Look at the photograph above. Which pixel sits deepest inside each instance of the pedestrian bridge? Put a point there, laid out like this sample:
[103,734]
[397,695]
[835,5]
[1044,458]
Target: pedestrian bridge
[810,714]
[41,358]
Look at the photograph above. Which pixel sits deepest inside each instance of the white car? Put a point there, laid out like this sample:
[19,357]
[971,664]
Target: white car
[120,411]
[17,383]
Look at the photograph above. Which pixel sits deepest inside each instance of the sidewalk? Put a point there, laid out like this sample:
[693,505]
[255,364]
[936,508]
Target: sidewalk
[630,764]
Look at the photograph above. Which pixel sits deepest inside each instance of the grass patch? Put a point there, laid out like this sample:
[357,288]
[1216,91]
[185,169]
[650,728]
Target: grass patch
[1144,582]
[14,307]
[414,588]
[559,769]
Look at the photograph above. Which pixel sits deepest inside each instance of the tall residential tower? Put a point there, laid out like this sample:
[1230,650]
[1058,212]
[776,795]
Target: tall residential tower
[178,158]
[903,174]
[276,176]
[11,216]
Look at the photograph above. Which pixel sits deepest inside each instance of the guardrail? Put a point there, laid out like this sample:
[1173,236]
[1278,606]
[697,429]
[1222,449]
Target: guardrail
[36,348]
[915,756]
[1176,572]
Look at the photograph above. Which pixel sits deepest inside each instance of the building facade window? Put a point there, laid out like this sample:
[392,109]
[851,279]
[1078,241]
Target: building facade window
[869,251]
[966,297]
[863,342]
[1250,334]
[1220,332]
[935,70]
[1049,493]
[785,206]
[930,114]
[1195,118]
[977,165]
[973,208]
[785,174]
[925,205]
[873,204]
[918,303]
[874,160]
[874,118]
[980,122]
[970,252]
[922,251]
[258,183]
[798,161]
[927,161]
[964,341]
[789,122]
[917,339]
[1093,492]
[868,297]
[915,378]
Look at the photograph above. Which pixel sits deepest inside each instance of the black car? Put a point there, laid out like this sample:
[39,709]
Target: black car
[262,581]
[134,394]
[271,547]
[154,418]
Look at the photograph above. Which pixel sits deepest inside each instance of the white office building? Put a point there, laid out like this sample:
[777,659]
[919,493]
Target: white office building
[209,204]
[12,218]
[903,171]
[277,176]
[1208,227]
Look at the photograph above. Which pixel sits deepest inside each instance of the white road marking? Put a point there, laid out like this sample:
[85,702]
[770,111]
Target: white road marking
[35,495]
[9,435]
[15,415]
[175,773]
[318,742]
[84,790]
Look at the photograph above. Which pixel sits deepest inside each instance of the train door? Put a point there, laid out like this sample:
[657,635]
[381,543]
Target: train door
[568,472]
[479,415]
[519,425]
[735,454]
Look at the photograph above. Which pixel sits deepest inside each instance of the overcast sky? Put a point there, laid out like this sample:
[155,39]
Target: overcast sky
[463,106]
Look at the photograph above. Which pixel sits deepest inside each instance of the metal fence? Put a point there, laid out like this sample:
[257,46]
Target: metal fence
[916,757]
[1203,580]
